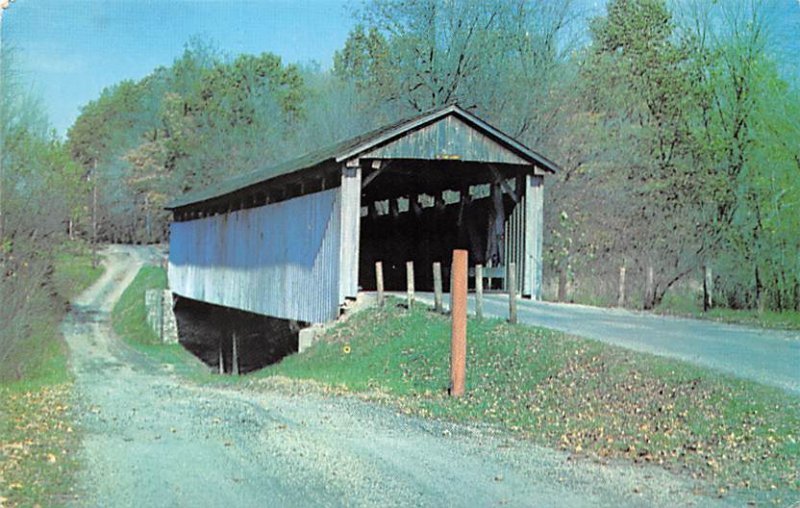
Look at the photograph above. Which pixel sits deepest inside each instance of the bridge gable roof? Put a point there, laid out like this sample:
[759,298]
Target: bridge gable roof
[448,133]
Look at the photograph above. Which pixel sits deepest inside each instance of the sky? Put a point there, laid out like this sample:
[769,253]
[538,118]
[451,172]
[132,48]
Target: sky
[69,50]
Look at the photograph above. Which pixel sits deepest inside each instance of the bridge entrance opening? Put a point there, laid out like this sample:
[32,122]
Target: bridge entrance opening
[421,210]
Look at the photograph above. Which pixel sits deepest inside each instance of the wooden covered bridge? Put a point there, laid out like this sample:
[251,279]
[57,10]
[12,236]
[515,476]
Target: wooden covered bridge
[296,240]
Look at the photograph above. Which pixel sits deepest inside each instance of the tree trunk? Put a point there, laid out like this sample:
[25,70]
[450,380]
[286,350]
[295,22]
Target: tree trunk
[562,285]
[759,292]
[708,289]
[797,295]
[649,290]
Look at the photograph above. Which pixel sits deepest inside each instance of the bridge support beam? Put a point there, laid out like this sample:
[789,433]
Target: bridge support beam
[235,355]
[350,199]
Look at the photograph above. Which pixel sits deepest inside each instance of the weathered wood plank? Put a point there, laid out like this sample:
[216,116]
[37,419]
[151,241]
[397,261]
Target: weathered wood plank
[350,192]
[437,287]
[534,228]
[410,283]
[446,139]
[379,282]
[264,259]
[512,293]
[479,291]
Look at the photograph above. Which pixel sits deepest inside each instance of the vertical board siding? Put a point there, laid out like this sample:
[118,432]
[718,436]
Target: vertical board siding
[350,197]
[279,260]
[515,243]
[534,234]
[449,137]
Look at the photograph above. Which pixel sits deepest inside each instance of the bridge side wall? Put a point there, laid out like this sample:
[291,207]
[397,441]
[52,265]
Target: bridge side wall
[280,260]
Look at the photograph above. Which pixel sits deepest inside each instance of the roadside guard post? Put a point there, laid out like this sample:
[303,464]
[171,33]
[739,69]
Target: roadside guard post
[458,335]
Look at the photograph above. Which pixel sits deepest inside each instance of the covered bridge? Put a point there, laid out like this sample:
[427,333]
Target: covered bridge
[294,241]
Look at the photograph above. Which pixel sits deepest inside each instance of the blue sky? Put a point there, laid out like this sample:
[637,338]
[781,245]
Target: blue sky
[71,49]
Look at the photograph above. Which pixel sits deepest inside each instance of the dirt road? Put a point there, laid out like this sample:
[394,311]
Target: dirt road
[153,439]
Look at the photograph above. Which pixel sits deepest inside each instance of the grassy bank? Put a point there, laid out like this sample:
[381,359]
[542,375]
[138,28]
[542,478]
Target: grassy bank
[129,320]
[129,317]
[38,443]
[690,305]
[588,398]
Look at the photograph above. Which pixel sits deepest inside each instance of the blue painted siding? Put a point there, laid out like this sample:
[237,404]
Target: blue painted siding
[280,260]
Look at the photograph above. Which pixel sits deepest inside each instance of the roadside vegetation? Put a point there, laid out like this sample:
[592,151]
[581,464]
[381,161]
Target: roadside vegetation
[38,437]
[593,400]
[129,321]
[129,316]
[687,304]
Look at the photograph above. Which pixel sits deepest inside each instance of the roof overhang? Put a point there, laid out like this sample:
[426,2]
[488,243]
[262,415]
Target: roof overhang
[349,152]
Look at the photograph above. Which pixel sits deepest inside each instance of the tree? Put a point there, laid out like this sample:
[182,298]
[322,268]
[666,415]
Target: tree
[198,121]
[642,94]
[745,135]
[412,56]
[40,193]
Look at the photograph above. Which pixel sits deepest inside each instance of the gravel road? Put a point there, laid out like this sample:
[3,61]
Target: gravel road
[153,439]
[767,356]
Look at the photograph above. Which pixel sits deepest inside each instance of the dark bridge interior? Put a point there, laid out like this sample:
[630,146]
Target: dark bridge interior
[412,212]
[207,331]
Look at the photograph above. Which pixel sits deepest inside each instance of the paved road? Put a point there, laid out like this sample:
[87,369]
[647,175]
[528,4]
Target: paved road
[767,356]
[151,438]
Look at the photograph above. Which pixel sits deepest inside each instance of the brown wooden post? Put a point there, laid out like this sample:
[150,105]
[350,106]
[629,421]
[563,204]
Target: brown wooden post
[708,289]
[437,287]
[512,292]
[410,282]
[479,291]
[379,282]
[458,331]
[235,355]
[621,299]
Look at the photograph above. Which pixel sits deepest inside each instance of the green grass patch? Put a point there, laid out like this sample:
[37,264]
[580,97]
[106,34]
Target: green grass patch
[74,271]
[129,321]
[578,395]
[690,305]
[129,317]
[786,320]
[38,439]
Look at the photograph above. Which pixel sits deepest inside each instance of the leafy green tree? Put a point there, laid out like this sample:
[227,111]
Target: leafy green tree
[198,121]
[40,191]
[642,94]
[745,136]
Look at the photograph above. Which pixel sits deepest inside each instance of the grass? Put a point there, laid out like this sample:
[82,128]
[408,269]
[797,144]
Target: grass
[129,321]
[129,317]
[74,271]
[690,305]
[582,396]
[38,439]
